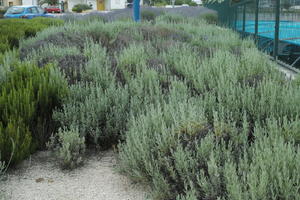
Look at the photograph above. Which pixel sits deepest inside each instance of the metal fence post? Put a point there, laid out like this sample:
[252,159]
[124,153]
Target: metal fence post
[256,19]
[244,18]
[235,17]
[277,24]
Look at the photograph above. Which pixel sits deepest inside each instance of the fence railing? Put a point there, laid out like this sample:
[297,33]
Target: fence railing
[274,24]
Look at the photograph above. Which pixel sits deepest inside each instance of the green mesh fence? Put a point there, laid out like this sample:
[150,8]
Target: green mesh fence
[274,24]
[226,13]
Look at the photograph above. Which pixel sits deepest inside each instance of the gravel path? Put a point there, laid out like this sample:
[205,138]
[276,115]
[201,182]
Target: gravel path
[39,178]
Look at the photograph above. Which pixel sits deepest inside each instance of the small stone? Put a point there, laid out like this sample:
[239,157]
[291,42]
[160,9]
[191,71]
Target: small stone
[50,180]
[39,180]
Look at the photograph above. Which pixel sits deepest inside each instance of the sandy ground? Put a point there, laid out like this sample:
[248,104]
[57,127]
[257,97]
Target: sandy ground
[40,178]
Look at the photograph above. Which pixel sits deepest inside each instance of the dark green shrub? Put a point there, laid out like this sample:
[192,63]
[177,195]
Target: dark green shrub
[179,2]
[2,168]
[77,9]
[80,7]
[17,134]
[28,96]
[47,21]
[4,45]
[160,4]
[2,12]
[187,2]
[12,30]
[192,3]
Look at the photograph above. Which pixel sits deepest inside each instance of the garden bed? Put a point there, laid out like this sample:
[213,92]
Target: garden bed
[195,111]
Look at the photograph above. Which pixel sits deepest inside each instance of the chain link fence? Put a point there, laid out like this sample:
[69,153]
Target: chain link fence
[274,24]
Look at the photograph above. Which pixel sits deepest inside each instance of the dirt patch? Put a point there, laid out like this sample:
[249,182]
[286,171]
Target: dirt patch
[39,177]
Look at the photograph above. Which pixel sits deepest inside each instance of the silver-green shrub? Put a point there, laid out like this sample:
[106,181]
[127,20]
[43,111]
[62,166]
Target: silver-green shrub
[296,81]
[69,147]
[7,60]
[96,105]
[202,113]
[269,169]
[99,113]
[237,103]
[174,148]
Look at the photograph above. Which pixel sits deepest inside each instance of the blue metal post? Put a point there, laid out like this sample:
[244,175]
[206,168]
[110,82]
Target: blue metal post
[136,10]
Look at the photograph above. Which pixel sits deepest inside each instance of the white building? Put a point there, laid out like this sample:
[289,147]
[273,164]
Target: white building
[29,2]
[96,4]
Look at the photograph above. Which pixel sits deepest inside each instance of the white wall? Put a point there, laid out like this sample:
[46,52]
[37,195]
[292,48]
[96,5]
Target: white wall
[29,2]
[93,2]
[117,4]
[107,4]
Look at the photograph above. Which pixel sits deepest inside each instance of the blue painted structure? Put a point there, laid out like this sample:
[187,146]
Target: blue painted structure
[289,38]
[136,10]
[278,38]
[289,31]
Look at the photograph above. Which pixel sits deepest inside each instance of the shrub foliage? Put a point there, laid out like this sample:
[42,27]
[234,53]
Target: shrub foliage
[69,147]
[201,113]
[80,7]
[28,96]
[12,30]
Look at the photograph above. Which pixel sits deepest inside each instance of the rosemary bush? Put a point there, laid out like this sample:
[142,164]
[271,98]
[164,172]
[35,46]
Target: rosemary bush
[12,30]
[2,167]
[28,96]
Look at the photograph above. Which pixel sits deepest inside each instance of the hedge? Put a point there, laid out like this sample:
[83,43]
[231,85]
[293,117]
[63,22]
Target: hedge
[12,30]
